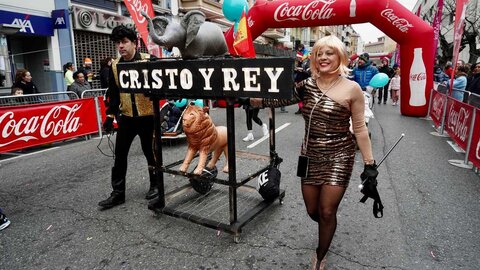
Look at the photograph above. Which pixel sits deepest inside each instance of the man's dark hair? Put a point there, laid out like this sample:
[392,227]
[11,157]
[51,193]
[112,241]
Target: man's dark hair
[121,31]
[75,74]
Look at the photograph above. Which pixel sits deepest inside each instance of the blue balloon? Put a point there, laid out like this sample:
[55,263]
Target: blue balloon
[379,80]
[181,103]
[232,9]
[198,102]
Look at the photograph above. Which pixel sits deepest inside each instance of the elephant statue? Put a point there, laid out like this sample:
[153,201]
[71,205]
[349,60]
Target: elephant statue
[193,36]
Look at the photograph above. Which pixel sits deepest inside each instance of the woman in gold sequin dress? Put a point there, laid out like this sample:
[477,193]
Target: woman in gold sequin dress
[330,100]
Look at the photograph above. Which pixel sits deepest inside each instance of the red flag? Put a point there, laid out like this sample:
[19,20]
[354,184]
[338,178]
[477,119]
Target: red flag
[242,43]
[460,13]
[134,7]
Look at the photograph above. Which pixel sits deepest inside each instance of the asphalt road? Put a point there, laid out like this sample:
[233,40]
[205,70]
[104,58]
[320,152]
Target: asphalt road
[431,217]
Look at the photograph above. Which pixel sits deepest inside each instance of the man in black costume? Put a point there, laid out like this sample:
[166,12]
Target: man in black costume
[134,114]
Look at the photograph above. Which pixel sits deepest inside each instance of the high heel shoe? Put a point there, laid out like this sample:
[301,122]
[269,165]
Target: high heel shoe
[318,265]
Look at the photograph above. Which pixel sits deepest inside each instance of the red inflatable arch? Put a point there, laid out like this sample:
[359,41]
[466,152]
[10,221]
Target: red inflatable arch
[414,35]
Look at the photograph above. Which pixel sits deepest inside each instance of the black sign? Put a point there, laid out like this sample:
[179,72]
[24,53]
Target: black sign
[209,78]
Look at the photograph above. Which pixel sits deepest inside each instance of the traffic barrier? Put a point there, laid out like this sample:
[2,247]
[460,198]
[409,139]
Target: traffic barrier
[459,121]
[36,98]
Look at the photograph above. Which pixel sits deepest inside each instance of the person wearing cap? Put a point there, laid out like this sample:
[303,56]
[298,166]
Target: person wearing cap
[364,71]
[383,92]
[86,69]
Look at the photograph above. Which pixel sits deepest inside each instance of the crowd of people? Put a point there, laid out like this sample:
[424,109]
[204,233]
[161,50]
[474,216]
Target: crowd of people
[466,78]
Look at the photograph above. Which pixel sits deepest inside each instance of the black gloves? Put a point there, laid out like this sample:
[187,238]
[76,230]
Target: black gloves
[369,189]
[108,125]
[369,172]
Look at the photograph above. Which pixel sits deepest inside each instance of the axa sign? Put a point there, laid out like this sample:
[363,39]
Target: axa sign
[29,24]
[60,18]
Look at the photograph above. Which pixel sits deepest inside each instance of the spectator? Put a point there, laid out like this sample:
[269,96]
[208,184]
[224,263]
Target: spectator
[459,83]
[449,69]
[364,72]
[79,85]
[302,72]
[4,222]
[18,100]
[105,66]
[439,76]
[394,87]
[23,80]
[473,84]
[68,74]
[383,92]
[174,114]
[86,69]
[133,118]
[17,91]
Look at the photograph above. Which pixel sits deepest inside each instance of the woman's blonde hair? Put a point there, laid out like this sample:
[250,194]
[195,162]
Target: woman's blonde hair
[337,45]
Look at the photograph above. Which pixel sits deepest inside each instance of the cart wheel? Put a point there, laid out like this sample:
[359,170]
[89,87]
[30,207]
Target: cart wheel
[236,239]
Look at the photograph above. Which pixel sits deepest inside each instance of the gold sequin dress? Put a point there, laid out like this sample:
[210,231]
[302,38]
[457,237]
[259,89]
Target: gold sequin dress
[330,146]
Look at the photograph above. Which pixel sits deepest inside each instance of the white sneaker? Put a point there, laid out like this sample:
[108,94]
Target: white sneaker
[248,138]
[265,130]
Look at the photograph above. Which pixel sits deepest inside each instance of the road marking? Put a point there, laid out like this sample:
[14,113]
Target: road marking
[266,137]
[29,154]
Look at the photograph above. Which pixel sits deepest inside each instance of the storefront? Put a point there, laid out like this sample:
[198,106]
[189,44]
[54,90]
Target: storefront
[92,29]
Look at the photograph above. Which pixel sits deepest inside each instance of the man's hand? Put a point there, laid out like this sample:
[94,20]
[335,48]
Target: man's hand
[108,124]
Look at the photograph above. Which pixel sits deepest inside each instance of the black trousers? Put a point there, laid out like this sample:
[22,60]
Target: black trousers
[128,128]
[383,93]
[252,114]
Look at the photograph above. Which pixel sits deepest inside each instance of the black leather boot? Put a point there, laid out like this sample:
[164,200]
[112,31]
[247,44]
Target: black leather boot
[112,201]
[152,191]
[117,196]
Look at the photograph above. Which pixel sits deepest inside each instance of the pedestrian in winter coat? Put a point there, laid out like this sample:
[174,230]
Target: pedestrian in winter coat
[80,84]
[364,72]
[23,80]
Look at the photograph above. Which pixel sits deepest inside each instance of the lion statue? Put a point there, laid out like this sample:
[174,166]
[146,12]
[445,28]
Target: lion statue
[203,137]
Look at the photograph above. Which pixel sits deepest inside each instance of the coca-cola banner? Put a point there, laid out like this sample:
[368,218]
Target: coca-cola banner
[436,111]
[410,31]
[458,121]
[474,154]
[134,8]
[27,126]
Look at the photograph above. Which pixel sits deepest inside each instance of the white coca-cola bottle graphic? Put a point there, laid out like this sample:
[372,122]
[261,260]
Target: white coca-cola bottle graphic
[353,7]
[418,79]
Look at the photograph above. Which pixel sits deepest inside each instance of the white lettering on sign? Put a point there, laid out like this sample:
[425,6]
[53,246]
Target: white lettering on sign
[251,79]
[24,24]
[438,102]
[159,78]
[402,24]
[60,21]
[206,77]
[477,151]
[49,124]
[311,11]
[137,6]
[458,122]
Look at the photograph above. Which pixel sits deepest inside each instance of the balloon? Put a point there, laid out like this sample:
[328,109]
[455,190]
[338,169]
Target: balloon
[235,27]
[379,80]
[232,9]
[199,103]
[181,103]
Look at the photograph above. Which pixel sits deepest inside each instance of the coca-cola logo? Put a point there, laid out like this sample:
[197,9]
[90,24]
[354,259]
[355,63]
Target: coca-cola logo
[137,6]
[400,23]
[315,10]
[59,120]
[418,76]
[458,122]
[437,106]
[477,151]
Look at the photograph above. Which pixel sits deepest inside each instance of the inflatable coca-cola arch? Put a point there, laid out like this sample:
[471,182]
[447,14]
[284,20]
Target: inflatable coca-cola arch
[413,34]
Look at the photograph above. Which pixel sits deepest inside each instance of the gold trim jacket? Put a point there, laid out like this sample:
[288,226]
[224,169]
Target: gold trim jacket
[128,104]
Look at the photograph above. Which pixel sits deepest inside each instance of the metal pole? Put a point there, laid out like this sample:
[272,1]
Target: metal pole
[158,151]
[391,148]
[429,106]
[232,177]
[442,125]
[99,117]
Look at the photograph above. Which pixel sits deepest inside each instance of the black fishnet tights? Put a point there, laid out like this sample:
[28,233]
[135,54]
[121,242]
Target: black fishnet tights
[322,203]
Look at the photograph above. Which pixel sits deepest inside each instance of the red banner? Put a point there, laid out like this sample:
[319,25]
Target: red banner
[27,126]
[436,111]
[474,155]
[458,121]
[134,8]
[437,24]
[460,13]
